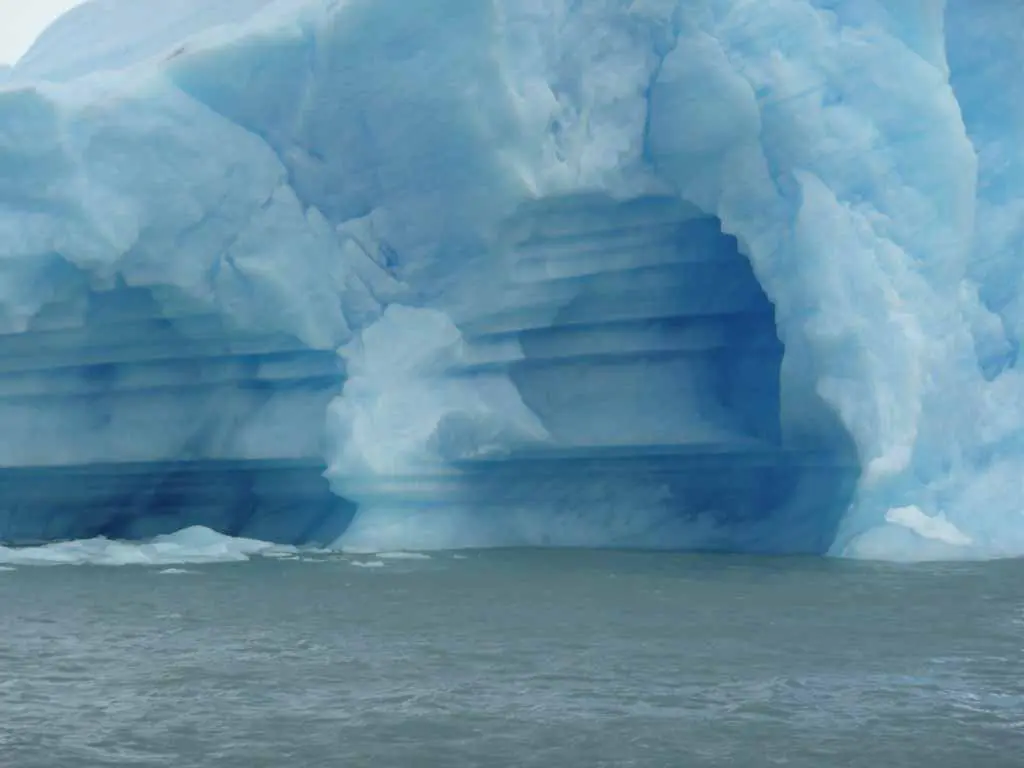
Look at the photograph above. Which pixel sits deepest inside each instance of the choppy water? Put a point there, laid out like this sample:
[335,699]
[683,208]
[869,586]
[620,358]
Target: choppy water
[513,659]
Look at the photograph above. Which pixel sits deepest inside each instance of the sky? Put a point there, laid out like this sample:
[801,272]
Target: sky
[21,21]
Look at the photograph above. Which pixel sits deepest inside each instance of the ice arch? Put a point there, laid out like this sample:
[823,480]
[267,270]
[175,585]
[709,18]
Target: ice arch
[622,388]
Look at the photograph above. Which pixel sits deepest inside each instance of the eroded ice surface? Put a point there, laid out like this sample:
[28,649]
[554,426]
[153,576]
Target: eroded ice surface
[404,274]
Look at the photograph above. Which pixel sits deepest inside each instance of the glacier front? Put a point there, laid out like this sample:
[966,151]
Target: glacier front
[379,274]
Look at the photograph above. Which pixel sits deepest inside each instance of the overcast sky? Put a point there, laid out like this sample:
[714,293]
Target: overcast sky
[21,21]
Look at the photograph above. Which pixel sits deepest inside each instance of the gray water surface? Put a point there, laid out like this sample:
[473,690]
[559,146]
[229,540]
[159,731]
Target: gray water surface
[542,658]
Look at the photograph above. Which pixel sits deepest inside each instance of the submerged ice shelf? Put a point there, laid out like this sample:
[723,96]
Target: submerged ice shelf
[696,275]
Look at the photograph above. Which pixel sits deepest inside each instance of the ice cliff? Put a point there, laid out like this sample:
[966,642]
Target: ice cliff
[706,274]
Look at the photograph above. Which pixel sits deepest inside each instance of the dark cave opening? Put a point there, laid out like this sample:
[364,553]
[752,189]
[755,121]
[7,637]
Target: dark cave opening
[660,372]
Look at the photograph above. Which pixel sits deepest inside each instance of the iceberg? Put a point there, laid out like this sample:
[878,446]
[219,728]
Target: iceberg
[394,275]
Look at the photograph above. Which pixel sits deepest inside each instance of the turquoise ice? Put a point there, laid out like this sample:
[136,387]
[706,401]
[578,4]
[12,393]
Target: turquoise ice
[708,274]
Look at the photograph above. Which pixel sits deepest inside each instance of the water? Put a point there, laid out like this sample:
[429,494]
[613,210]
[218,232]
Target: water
[549,658]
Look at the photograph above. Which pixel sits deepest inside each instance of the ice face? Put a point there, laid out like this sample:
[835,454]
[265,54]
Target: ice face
[393,274]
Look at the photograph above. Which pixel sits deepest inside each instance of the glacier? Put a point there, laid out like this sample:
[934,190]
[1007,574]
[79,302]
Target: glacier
[395,274]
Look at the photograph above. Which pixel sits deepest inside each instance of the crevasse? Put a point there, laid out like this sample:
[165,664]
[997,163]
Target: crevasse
[708,275]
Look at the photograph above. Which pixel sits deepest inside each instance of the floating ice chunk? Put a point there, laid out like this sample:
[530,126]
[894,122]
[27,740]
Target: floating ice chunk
[191,545]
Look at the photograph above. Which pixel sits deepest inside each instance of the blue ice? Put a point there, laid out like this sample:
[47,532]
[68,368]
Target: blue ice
[411,274]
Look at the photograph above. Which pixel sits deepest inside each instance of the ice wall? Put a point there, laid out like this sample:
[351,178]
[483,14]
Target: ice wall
[713,274]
